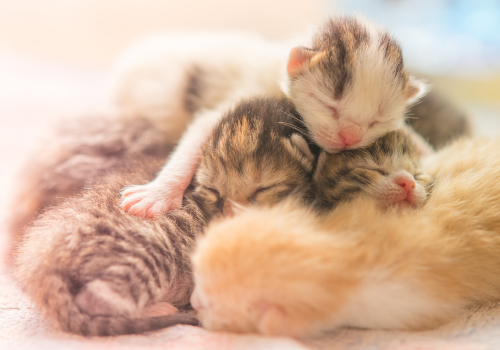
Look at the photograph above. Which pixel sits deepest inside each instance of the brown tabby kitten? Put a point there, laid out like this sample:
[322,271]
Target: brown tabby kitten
[389,170]
[81,153]
[92,269]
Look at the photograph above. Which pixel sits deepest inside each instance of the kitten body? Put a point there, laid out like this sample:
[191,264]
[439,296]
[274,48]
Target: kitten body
[359,265]
[93,269]
[349,84]
[81,152]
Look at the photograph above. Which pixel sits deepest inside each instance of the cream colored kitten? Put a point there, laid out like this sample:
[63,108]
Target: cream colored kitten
[286,271]
[348,83]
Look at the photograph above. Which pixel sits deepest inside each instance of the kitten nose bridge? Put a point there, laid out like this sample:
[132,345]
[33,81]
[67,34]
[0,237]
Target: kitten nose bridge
[350,134]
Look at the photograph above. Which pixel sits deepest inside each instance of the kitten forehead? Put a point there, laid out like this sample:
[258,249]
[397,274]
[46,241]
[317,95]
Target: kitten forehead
[348,44]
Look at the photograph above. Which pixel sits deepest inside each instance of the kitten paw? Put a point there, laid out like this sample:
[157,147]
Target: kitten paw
[150,200]
[161,308]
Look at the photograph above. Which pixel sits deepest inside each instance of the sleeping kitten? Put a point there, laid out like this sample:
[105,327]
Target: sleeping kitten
[389,170]
[92,269]
[349,85]
[80,153]
[287,271]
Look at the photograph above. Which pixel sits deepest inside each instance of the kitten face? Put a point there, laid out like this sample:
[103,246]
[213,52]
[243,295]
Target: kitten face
[388,171]
[350,87]
[252,159]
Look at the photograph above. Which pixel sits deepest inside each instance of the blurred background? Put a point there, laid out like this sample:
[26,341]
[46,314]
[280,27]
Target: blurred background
[55,54]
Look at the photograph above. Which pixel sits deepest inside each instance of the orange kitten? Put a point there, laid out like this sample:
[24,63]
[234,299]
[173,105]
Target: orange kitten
[287,271]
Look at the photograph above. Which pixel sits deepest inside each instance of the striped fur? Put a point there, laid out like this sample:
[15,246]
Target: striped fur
[371,171]
[92,269]
[255,156]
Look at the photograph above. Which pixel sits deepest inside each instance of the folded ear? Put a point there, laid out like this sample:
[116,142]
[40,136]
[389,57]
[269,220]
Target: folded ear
[302,145]
[298,59]
[416,89]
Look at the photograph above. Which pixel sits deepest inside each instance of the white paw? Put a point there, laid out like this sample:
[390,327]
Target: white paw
[151,200]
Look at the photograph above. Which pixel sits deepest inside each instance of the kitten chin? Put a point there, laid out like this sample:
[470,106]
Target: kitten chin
[287,271]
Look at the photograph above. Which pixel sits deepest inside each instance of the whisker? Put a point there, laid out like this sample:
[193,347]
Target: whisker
[294,117]
[295,128]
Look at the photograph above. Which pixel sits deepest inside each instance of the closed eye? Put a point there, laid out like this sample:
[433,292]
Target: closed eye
[372,124]
[262,189]
[259,191]
[380,171]
[333,110]
[214,191]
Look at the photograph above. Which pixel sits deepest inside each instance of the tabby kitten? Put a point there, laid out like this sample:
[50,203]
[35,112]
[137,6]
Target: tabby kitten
[389,170]
[287,271]
[80,153]
[92,269]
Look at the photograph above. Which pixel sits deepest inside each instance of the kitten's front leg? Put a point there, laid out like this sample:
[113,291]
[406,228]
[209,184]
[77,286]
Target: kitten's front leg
[165,193]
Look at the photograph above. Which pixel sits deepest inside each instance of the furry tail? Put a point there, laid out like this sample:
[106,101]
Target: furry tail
[53,296]
[108,325]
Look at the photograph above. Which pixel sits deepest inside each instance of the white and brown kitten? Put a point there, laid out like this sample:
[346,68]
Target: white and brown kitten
[349,84]
[288,271]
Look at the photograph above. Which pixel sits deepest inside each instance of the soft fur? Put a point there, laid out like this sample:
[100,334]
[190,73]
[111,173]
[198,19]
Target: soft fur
[389,171]
[93,269]
[80,153]
[286,271]
[349,85]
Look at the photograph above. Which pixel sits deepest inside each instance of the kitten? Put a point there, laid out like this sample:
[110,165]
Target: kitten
[288,271]
[389,170]
[350,86]
[92,269]
[80,153]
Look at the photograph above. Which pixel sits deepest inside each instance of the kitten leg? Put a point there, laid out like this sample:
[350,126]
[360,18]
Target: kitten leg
[165,193]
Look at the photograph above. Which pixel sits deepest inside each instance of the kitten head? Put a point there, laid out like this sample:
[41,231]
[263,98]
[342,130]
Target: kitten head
[350,86]
[254,156]
[389,171]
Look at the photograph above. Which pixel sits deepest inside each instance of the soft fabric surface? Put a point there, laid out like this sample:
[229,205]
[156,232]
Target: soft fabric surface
[32,96]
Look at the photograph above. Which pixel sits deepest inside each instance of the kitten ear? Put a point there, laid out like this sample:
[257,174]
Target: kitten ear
[300,58]
[302,145]
[416,89]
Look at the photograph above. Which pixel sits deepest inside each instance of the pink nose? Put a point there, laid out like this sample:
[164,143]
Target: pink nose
[406,181]
[350,135]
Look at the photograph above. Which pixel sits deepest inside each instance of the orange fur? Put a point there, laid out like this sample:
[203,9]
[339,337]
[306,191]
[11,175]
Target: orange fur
[288,271]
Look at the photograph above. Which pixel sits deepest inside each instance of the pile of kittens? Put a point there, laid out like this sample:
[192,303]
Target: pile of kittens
[282,211]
